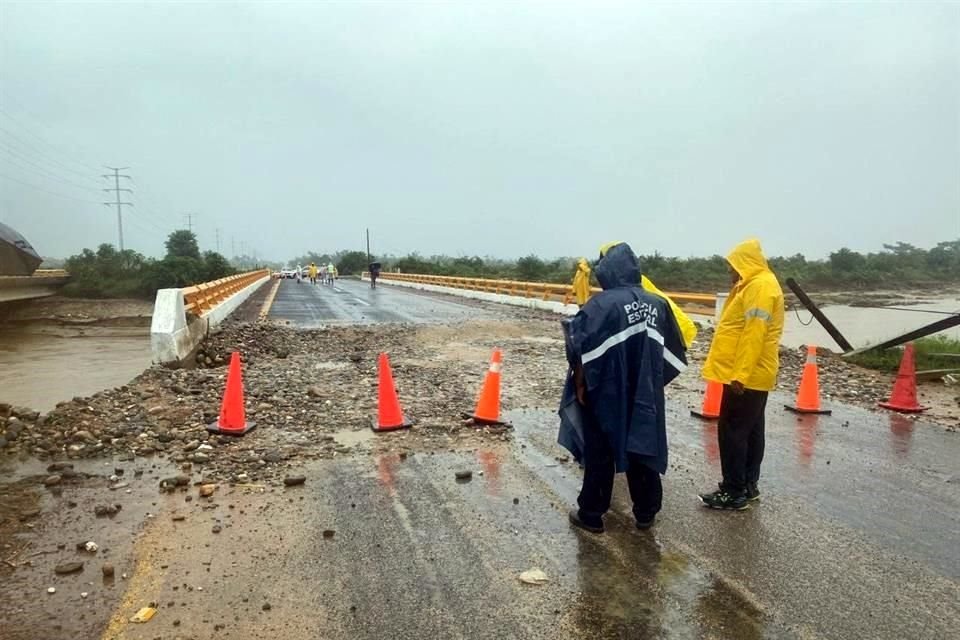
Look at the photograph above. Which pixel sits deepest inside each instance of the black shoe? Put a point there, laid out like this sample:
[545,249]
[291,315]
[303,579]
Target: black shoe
[580,524]
[643,525]
[753,493]
[720,499]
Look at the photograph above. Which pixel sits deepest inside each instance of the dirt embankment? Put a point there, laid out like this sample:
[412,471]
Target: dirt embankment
[78,312]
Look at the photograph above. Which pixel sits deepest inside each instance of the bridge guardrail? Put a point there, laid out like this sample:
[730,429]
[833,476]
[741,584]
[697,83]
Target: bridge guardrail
[50,273]
[545,291]
[183,317]
[202,298]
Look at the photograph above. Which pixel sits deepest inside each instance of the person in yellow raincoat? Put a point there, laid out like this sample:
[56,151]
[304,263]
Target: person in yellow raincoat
[312,271]
[581,291]
[581,282]
[745,357]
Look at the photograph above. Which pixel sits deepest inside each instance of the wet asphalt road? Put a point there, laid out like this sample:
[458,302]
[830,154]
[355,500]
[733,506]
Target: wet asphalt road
[354,302]
[856,536]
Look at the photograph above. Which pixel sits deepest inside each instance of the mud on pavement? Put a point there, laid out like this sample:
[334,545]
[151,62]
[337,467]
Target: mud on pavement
[379,540]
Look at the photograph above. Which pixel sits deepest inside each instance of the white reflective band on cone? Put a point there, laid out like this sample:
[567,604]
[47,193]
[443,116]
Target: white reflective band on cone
[495,367]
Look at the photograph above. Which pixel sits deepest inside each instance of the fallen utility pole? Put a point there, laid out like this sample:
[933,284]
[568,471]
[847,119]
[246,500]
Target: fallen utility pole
[916,334]
[821,318]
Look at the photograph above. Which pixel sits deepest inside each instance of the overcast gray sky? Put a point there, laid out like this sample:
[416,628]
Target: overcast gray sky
[490,128]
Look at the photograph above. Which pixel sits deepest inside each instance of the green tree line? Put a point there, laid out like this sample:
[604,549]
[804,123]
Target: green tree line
[898,265]
[109,273]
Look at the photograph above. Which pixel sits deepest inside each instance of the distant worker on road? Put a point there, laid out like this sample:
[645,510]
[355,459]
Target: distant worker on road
[299,273]
[331,270]
[313,273]
[623,347]
[745,357]
[374,274]
[581,282]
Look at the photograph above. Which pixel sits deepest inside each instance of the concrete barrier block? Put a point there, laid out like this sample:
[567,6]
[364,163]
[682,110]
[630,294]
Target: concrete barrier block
[174,337]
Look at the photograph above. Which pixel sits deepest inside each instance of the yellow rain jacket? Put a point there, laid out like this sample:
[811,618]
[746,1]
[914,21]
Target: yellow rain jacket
[746,343]
[313,271]
[687,327]
[581,282]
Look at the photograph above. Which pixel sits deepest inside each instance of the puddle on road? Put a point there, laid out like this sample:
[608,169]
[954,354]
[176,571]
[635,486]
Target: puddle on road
[542,340]
[330,366]
[351,438]
[635,588]
[630,585]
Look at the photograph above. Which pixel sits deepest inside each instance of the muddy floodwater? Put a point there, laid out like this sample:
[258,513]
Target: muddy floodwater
[39,369]
[865,326]
[862,326]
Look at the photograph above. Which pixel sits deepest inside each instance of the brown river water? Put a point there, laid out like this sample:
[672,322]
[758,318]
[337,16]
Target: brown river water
[39,368]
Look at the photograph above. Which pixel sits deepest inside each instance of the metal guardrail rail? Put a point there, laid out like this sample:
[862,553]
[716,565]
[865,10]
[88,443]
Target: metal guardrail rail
[542,290]
[201,298]
[50,273]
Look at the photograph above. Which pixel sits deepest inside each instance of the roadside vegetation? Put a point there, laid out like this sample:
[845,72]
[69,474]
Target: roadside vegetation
[933,353]
[897,266]
[108,273]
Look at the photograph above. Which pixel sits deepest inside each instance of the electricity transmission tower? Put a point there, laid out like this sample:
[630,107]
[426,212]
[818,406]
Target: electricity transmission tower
[116,175]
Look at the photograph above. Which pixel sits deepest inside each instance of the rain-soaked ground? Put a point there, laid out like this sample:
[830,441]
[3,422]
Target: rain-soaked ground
[855,537]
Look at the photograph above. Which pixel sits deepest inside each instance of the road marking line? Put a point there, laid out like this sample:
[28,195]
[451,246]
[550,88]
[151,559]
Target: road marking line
[265,309]
[361,301]
[144,585]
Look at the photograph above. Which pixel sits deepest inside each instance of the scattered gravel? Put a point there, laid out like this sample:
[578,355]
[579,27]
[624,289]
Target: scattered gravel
[313,396]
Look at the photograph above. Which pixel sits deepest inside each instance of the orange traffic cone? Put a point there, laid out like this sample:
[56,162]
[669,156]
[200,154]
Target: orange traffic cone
[711,401]
[233,414]
[904,396]
[488,404]
[808,396]
[389,413]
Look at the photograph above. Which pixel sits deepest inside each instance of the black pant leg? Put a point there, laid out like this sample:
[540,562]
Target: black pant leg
[757,439]
[733,431]
[598,472]
[646,490]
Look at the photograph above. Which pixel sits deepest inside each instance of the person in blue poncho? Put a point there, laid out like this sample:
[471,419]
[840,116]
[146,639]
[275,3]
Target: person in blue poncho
[623,347]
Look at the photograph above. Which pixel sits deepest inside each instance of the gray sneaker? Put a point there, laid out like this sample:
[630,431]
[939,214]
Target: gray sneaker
[753,493]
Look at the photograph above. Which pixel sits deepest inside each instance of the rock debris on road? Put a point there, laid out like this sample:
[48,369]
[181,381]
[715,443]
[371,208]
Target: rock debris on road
[423,532]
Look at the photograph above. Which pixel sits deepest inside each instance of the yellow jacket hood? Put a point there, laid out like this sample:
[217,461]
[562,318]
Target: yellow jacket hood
[748,259]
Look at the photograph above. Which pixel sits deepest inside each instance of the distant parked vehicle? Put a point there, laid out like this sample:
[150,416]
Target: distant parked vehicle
[288,273]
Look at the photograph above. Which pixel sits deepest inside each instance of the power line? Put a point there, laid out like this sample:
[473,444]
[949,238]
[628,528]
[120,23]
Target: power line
[52,193]
[116,190]
[41,140]
[41,170]
[42,154]
[145,195]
